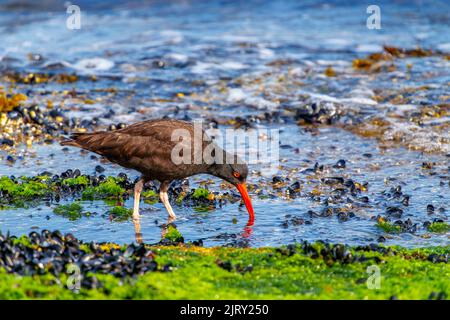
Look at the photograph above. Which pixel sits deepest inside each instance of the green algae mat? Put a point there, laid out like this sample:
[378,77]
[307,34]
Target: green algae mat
[303,271]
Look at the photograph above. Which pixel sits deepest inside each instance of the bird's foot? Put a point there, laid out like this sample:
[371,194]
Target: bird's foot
[139,238]
[171,219]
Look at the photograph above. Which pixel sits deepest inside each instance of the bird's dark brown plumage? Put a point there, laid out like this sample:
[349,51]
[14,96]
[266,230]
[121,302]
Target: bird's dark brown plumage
[144,146]
[148,146]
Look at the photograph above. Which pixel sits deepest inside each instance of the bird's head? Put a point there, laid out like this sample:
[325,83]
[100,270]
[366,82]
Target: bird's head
[236,174]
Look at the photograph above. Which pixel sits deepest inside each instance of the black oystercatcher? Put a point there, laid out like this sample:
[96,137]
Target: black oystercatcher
[148,148]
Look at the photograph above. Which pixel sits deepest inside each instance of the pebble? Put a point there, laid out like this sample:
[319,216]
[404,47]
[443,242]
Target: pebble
[7,142]
[394,212]
[405,201]
[99,169]
[340,164]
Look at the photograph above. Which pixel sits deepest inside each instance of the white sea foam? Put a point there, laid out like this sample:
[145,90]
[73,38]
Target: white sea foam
[322,97]
[177,57]
[236,95]
[172,36]
[204,67]
[368,48]
[93,64]
[359,100]
[337,42]
[333,63]
[444,46]
[297,72]
[417,137]
[261,103]
[265,53]
[233,65]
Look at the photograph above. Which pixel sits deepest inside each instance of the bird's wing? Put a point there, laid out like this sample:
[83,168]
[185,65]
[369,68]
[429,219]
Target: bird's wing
[159,129]
[144,146]
[120,147]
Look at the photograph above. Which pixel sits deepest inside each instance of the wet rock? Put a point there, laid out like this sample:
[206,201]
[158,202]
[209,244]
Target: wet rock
[243,123]
[327,212]
[198,243]
[158,64]
[294,189]
[122,176]
[292,221]
[442,295]
[312,214]
[333,180]
[394,212]
[90,282]
[7,142]
[277,179]
[341,164]
[438,258]
[405,200]
[396,192]
[427,165]
[99,169]
[289,250]
[342,216]
[323,112]
[406,225]
[349,183]
[10,159]
[295,186]
[364,199]
[226,265]
[317,168]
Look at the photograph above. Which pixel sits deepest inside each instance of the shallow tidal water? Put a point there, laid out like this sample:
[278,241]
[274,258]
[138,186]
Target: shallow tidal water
[227,60]
[227,225]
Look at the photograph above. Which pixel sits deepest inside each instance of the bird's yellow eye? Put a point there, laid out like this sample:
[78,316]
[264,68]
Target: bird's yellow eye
[236,174]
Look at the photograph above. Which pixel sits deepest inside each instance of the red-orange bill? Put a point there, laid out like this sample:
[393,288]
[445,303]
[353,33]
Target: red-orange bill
[248,204]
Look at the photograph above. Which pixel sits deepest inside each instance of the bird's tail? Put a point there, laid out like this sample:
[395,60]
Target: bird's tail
[96,142]
[75,139]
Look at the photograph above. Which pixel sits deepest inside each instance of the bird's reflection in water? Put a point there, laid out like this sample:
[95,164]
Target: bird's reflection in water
[246,233]
[165,227]
[248,229]
[137,229]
